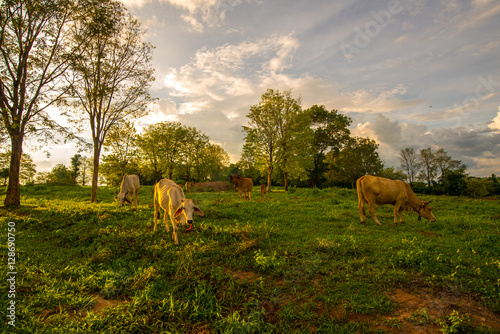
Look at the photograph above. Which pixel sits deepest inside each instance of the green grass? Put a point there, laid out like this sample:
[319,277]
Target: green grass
[298,262]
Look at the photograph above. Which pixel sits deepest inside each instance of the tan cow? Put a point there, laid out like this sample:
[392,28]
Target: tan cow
[379,191]
[262,192]
[243,185]
[129,187]
[169,196]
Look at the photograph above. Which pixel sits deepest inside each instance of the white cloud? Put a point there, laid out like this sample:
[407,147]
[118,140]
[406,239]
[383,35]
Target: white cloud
[495,123]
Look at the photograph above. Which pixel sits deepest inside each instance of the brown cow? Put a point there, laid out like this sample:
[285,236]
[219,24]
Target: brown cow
[243,185]
[189,186]
[378,190]
[169,196]
[262,192]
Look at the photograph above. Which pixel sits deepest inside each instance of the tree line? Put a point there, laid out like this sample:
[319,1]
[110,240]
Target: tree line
[285,143]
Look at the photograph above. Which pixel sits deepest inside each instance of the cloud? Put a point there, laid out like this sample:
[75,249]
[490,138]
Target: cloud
[495,123]
[211,13]
[478,149]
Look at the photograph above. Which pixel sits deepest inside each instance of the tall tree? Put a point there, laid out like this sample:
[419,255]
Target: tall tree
[277,133]
[444,161]
[331,133]
[33,59]
[428,166]
[408,159]
[112,76]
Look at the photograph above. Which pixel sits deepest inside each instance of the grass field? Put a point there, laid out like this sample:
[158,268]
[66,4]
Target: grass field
[299,262]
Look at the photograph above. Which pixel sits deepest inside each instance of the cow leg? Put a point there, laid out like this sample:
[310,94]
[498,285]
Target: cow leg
[398,211]
[157,212]
[174,228]
[372,212]
[250,196]
[165,214]
[362,214]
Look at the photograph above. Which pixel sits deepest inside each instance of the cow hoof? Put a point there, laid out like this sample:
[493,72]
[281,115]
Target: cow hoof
[378,223]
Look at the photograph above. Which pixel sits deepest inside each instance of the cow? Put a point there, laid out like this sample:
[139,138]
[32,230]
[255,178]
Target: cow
[170,197]
[262,192]
[129,187]
[378,190]
[243,185]
[189,186]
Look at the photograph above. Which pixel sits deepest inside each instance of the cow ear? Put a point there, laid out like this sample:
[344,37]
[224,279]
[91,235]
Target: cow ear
[127,200]
[429,202]
[178,211]
[198,211]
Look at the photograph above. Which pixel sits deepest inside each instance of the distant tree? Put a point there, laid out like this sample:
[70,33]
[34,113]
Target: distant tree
[111,78]
[391,173]
[444,162]
[60,175]
[409,163]
[85,170]
[214,161]
[75,167]
[120,142]
[454,182]
[33,59]
[428,166]
[330,133]
[359,157]
[476,187]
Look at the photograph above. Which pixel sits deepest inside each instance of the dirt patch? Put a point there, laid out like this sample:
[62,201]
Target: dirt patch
[417,312]
[99,305]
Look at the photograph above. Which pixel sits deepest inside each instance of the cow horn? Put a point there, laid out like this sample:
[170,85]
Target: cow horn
[428,202]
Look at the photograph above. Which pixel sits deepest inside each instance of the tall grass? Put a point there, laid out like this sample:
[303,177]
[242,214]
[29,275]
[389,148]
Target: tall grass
[284,265]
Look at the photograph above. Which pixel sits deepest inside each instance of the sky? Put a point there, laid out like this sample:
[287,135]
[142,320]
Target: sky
[410,73]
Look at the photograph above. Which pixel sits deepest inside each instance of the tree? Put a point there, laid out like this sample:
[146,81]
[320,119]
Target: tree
[27,169]
[444,161]
[277,133]
[33,59]
[330,133]
[391,173]
[359,157]
[409,163]
[454,182]
[477,188]
[428,166]
[111,76]
[60,175]
[75,167]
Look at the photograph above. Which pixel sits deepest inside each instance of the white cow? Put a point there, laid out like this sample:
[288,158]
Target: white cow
[169,196]
[129,187]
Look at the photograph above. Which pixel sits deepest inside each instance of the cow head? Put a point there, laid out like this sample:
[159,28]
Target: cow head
[234,178]
[122,197]
[187,208]
[425,211]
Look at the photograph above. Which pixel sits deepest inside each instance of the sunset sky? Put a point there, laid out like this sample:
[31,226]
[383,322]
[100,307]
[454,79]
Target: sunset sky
[409,73]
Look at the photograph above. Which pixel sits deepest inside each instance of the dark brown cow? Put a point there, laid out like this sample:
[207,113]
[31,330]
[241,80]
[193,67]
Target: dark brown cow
[243,185]
[262,192]
[378,190]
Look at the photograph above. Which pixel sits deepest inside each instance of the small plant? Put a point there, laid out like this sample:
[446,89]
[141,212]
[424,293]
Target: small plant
[455,324]
[266,262]
[420,317]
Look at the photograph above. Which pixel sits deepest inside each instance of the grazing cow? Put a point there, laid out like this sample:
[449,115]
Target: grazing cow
[129,187]
[189,186]
[378,190]
[243,185]
[169,196]
[262,192]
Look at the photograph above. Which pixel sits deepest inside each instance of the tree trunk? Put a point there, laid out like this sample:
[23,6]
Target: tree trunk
[95,173]
[269,172]
[13,196]
[285,180]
